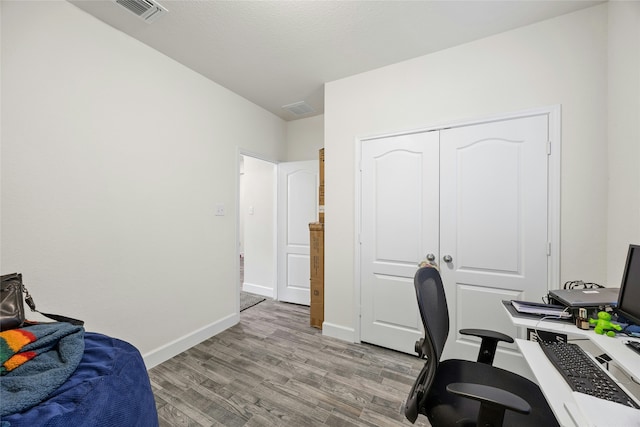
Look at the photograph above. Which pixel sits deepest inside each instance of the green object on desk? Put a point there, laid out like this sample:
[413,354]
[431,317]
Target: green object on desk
[604,325]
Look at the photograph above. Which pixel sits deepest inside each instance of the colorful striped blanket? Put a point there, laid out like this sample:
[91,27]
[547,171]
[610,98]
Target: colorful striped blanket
[11,342]
[35,361]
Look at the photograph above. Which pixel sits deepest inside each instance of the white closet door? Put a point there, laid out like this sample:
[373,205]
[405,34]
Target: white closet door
[297,207]
[493,215]
[399,187]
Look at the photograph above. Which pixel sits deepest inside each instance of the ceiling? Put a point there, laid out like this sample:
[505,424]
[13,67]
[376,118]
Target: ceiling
[276,53]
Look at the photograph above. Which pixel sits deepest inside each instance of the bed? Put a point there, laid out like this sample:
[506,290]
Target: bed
[104,382]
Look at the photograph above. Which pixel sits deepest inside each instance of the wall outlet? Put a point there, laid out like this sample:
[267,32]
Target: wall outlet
[220,209]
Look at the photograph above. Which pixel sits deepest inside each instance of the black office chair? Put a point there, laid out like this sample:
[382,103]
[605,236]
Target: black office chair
[461,392]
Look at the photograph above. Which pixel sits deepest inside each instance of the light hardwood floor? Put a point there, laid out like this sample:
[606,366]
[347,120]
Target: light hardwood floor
[273,369]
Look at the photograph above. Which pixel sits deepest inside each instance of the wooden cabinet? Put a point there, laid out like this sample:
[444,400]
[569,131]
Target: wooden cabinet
[316,240]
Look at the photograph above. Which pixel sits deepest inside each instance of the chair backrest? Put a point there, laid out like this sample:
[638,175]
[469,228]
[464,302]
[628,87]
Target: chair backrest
[432,303]
[435,318]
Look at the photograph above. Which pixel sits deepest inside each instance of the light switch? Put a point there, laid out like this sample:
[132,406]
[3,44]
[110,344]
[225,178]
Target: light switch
[220,209]
[251,210]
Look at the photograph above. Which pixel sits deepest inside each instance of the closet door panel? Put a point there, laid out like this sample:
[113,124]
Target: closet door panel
[399,228]
[493,207]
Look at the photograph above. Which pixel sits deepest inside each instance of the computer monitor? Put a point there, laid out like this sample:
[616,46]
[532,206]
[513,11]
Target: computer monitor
[629,298]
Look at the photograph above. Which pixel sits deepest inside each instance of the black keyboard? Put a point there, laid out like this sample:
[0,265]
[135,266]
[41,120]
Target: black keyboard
[583,374]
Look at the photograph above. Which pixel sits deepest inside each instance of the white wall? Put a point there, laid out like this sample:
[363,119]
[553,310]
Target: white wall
[113,160]
[305,137]
[623,117]
[559,61]
[259,214]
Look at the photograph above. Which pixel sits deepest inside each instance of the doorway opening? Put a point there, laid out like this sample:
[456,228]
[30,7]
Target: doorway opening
[257,213]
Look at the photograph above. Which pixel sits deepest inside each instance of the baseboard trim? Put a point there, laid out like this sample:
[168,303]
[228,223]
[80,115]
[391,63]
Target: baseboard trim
[175,347]
[258,290]
[339,332]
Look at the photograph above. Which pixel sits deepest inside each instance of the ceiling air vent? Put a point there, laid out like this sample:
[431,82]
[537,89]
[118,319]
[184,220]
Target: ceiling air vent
[298,108]
[147,10]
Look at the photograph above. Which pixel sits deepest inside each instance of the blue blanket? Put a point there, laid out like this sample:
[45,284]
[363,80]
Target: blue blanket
[47,356]
[110,388]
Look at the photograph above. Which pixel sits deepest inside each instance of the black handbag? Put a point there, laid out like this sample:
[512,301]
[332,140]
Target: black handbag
[13,294]
[11,306]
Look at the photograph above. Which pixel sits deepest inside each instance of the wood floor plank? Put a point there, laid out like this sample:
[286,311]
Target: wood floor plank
[273,369]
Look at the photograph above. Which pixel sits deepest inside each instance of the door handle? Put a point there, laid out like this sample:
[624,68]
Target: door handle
[431,257]
[447,258]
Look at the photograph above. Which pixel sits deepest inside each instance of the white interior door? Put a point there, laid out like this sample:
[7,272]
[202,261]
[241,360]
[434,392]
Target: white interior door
[493,210]
[399,220]
[297,207]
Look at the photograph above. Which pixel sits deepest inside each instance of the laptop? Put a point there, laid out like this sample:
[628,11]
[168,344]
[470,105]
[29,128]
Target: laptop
[586,297]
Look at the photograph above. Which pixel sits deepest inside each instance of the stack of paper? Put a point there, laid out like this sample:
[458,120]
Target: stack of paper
[541,309]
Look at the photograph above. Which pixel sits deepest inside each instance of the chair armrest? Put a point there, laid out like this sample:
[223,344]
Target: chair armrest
[489,343]
[493,401]
[485,333]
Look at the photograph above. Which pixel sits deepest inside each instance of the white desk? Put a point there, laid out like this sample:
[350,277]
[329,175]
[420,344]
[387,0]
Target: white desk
[557,392]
